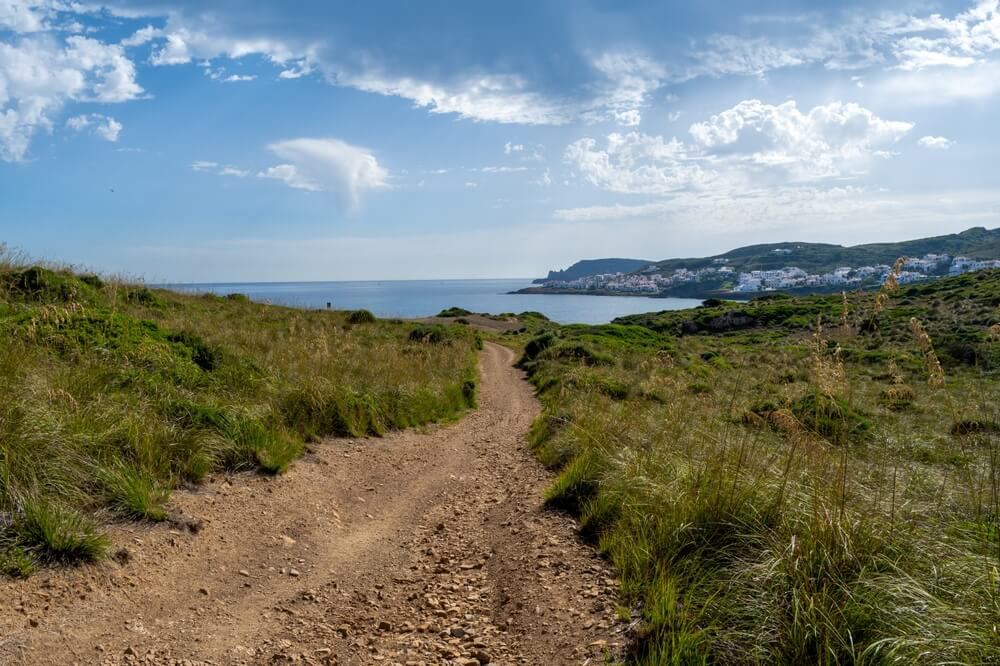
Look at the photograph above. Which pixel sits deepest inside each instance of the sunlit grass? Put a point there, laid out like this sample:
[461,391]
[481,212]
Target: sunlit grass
[112,394]
[772,497]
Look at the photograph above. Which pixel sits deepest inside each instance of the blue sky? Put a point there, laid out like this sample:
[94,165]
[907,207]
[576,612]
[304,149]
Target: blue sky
[229,141]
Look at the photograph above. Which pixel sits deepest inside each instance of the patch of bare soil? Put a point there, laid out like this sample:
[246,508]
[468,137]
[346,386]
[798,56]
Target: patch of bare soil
[422,547]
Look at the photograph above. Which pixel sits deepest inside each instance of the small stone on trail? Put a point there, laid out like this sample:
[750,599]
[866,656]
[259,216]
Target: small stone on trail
[244,573]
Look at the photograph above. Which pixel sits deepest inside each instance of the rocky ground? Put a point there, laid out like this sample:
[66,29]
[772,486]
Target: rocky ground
[422,547]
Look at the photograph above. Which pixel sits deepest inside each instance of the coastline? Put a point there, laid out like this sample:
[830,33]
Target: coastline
[694,293]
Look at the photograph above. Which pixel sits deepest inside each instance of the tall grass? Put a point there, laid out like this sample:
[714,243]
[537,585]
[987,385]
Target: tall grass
[112,394]
[764,502]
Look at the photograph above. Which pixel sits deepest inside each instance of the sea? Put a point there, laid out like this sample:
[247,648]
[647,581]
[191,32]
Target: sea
[425,298]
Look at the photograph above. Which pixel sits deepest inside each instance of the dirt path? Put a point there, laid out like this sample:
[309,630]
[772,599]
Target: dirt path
[417,548]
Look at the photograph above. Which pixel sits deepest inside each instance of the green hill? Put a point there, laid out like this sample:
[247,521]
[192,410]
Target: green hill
[588,267]
[977,243]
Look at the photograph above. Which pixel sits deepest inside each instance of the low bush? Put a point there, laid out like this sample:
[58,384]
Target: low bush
[434,334]
[360,317]
[897,397]
[975,426]
[831,417]
[454,312]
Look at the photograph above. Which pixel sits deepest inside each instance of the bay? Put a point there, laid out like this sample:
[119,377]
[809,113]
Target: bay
[424,298]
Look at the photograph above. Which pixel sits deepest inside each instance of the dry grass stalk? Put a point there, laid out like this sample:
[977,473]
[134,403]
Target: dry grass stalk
[845,311]
[828,369]
[890,285]
[935,374]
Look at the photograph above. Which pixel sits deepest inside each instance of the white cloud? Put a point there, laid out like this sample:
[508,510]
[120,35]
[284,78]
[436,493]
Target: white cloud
[470,184]
[546,178]
[288,174]
[302,68]
[329,165]
[233,171]
[39,74]
[105,127]
[827,141]
[631,77]
[635,163]
[893,39]
[501,169]
[936,142]
[956,42]
[20,16]
[509,148]
[142,36]
[751,147]
[939,86]
[220,75]
[202,165]
[501,98]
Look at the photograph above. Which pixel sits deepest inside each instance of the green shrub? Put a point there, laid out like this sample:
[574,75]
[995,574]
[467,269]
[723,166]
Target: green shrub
[831,417]
[45,286]
[360,317]
[434,334]
[454,312]
[578,352]
[204,356]
[238,297]
[975,426]
[144,296]
[536,346]
[93,281]
[15,562]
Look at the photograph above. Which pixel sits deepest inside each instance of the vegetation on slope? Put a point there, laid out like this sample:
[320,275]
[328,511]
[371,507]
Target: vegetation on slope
[790,481]
[976,242]
[113,394]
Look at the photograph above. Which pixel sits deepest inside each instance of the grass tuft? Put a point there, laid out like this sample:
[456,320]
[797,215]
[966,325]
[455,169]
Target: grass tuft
[57,533]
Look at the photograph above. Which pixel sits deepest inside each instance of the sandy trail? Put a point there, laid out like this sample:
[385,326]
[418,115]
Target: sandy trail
[422,547]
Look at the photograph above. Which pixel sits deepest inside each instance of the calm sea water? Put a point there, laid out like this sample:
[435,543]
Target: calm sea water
[424,298]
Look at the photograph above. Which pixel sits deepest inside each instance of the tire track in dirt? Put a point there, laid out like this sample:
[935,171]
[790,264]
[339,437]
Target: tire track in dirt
[423,547]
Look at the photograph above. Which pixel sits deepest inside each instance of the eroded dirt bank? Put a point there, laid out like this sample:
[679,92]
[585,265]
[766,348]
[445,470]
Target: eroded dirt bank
[421,547]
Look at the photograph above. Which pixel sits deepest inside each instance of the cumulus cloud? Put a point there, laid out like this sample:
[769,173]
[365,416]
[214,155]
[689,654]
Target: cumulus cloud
[748,146]
[824,142]
[509,148]
[39,74]
[635,163]
[935,142]
[20,17]
[327,165]
[105,127]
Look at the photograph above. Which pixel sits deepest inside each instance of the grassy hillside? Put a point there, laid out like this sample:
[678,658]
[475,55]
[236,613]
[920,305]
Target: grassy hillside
[789,481]
[113,394]
[978,243]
